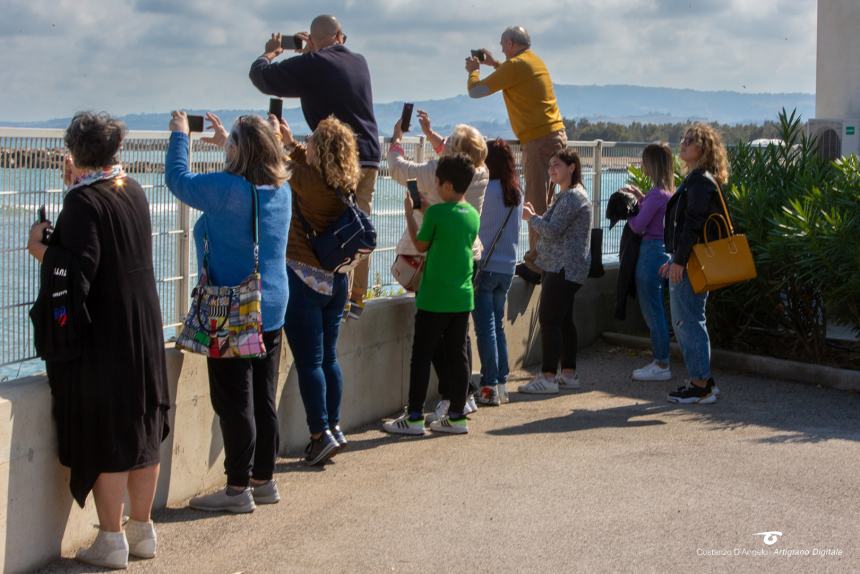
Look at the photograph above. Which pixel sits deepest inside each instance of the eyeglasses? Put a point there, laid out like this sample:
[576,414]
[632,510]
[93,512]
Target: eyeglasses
[342,35]
[687,140]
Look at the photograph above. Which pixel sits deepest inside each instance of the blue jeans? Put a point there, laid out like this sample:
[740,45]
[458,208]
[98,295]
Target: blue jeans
[489,315]
[691,329]
[649,291]
[312,325]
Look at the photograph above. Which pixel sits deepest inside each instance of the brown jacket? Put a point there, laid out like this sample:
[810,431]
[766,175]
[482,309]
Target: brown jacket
[319,204]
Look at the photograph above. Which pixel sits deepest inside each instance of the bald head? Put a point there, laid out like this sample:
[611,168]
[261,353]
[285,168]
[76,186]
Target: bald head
[324,31]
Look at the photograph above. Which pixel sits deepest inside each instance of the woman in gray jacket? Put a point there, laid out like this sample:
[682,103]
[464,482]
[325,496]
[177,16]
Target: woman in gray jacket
[563,252]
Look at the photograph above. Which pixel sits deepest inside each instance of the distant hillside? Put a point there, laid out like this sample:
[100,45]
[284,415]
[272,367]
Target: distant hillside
[616,103]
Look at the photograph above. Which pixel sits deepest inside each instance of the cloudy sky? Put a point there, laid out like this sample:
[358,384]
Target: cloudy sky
[126,56]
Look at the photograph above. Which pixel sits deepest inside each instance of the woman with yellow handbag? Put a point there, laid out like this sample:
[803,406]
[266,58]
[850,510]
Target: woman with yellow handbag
[687,223]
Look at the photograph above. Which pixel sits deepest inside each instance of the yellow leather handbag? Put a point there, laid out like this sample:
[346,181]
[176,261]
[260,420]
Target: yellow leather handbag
[727,260]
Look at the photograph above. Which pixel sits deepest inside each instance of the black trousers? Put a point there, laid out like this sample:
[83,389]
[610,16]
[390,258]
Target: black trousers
[558,332]
[440,359]
[432,331]
[243,396]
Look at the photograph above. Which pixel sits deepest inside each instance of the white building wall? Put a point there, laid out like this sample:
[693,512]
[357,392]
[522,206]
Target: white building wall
[837,93]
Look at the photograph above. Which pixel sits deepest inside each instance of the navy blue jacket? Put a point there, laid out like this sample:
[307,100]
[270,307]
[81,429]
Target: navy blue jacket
[331,81]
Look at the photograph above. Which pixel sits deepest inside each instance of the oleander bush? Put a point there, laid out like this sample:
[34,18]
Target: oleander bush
[801,215]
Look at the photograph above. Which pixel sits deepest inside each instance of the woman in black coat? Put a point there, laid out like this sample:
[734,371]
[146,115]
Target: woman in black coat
[108,381]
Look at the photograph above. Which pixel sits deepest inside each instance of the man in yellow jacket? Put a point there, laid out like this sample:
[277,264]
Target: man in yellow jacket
[526,86]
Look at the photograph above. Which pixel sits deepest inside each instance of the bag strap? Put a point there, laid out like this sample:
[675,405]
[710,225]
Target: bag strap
[486,259]
[731,227]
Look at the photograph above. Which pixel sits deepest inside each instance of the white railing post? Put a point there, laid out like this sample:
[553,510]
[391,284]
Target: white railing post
[183,256]
[595,184]
[419,155]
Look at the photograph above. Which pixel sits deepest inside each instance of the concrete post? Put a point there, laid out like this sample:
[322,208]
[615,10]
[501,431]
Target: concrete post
[837,94]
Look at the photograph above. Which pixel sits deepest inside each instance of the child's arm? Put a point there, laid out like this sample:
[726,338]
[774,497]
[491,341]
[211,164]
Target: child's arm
[412,227]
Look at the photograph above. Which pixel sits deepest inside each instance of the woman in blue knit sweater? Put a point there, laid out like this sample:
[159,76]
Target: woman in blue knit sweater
[242,390]
[500,217]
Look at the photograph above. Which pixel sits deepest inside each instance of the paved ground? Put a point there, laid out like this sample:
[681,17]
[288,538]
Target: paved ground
[608,479]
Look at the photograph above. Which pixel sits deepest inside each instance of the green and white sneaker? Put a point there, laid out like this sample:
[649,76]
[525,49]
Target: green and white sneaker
[450,426]
[402,425]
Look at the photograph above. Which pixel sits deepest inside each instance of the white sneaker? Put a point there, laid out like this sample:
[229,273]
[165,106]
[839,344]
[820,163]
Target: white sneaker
[652,372]
[540,385]
[446,425]
[471,406]
[141,537]
[402,425]
[440,411]
[503,393]
[489,396]
[568,382]
[109,550]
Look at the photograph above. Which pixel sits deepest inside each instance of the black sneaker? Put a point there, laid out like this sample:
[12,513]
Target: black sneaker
[320,449]
[339,437]
[691,394]
[528,275]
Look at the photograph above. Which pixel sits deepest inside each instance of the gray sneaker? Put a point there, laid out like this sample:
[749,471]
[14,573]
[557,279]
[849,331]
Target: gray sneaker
[266,493]
[220,501]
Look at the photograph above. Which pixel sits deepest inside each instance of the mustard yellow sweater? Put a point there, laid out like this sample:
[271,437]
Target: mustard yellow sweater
[527,88]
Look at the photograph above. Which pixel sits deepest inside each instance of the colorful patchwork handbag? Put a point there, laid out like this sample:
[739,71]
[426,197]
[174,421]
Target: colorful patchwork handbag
[226,322]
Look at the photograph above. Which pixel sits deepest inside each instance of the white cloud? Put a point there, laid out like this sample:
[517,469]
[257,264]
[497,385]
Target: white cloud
[154,55]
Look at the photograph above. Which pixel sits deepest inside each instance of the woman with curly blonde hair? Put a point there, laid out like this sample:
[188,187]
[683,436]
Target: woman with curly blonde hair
[324,174]
[687,212]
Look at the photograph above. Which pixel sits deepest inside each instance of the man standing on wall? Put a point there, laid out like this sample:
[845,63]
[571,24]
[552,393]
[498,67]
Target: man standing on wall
[329,79]
[526,86]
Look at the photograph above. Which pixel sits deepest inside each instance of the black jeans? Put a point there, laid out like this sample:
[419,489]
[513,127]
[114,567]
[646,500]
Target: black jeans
[432,331]
[558,332]
[243,396]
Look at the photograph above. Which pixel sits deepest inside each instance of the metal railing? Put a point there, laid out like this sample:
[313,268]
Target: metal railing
[30,176]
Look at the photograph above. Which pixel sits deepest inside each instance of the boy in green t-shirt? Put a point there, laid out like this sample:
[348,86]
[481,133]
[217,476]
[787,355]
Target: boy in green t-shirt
[444,299]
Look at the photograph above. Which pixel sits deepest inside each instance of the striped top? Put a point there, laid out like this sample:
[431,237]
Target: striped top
[493,214]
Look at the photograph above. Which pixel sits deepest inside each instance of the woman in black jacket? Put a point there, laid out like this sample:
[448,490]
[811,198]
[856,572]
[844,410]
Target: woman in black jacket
[110,396]
[686,215]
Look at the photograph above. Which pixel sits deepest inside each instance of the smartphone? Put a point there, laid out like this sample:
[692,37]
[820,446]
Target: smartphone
[293,42]
[412,186]
[195,123]
[406,116]
[480,54]
[276,106]
[43,214]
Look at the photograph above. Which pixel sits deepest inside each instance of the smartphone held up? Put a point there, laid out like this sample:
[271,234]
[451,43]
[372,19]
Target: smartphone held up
[195,123]
[412,187]
[291,42]
[481,55]
[406,116]
[276,107]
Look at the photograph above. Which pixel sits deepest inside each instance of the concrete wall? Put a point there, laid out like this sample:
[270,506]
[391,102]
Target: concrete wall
[837,93]
[38,517]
